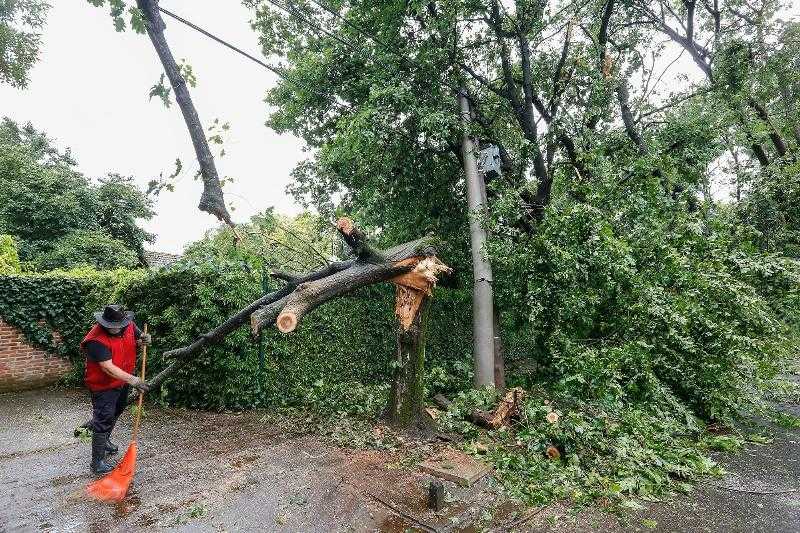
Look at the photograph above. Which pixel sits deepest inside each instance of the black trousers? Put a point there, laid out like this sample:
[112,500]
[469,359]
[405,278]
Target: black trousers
[107,405]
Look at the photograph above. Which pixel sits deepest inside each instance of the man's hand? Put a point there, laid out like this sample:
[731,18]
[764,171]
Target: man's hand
[138,383]
[146,339]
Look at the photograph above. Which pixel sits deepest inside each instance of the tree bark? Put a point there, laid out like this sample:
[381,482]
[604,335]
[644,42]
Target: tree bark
[623,97]
[311,294]
[407,395]
[775,137]
[212,200]
[482,296]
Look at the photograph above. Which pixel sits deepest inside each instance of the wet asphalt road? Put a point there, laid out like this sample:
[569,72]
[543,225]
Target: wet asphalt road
[199,471]
[241,472]
[193,471]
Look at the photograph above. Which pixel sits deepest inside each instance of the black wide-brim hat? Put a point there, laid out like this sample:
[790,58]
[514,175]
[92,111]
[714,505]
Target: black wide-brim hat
[114,316]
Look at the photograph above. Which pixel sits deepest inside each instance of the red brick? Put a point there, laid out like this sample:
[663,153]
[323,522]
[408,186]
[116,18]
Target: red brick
[23,366]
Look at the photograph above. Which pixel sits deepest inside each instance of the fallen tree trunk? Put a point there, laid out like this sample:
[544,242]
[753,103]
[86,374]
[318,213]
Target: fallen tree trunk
[508,408]
[373,268]
[186,353]
[303,293]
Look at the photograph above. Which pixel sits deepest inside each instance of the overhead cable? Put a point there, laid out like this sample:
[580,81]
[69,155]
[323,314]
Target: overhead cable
[281,73]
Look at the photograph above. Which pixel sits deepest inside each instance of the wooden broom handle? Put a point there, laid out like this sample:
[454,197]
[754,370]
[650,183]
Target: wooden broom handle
[141,393]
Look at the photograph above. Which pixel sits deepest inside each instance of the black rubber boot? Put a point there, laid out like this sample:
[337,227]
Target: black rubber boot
[99,465]
[111,448]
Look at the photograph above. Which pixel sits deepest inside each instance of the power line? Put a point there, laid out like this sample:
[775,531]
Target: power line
[353,25]
[290,9]
[278,71]
[293,11]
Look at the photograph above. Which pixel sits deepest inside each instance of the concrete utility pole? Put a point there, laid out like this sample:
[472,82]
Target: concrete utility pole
[482,294]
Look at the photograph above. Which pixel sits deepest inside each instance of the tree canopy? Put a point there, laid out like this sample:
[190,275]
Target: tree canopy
[60,218]
[20,24]
[618,252]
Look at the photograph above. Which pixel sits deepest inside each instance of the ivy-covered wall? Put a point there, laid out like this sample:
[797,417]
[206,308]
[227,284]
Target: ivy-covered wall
[349,339]
[39,304]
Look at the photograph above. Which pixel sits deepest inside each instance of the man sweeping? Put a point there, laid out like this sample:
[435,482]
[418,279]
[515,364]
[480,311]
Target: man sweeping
[110,348]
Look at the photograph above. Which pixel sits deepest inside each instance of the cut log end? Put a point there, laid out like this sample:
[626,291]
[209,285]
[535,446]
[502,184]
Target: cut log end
[345,225]
[552,452]
[286,322]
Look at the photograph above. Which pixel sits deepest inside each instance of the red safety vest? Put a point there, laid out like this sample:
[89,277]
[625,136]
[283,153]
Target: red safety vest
[123,355]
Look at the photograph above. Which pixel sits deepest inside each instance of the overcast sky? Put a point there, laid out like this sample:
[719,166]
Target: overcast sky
[90,89]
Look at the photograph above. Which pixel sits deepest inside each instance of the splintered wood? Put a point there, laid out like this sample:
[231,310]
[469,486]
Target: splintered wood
[507,409]
[345,225]
[414,286]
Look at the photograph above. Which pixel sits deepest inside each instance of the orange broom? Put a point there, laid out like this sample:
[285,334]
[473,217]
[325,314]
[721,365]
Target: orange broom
[114,486]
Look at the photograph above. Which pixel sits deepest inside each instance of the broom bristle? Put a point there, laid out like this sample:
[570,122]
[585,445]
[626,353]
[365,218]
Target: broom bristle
[114,486]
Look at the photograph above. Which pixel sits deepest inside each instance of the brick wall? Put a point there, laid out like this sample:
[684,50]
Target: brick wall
[23,366]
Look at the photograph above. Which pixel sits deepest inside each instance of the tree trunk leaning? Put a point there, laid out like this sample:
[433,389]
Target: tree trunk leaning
[482,297]
[212,200]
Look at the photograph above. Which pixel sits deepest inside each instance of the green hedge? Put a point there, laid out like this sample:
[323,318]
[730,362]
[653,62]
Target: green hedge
[349,339]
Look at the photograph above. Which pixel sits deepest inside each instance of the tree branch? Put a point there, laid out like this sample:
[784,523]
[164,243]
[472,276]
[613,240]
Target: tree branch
[212,200]
[775,137]
[310,295]
[357,241]
[690,4]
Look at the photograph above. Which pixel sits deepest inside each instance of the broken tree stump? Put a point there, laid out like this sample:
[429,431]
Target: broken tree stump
[412,302]
[506,410]
[407,395]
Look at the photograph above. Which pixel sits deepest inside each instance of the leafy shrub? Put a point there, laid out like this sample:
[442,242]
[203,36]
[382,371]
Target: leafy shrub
[9,259]
[606,449]
[348,339]
[666,307]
